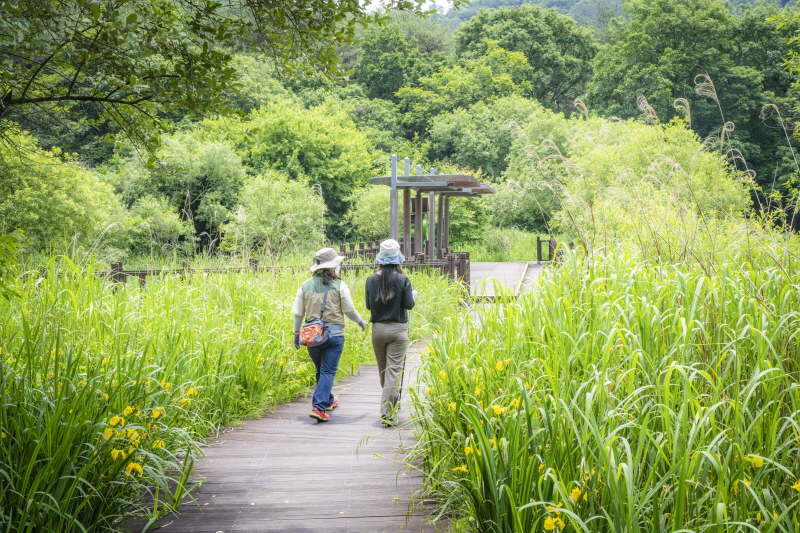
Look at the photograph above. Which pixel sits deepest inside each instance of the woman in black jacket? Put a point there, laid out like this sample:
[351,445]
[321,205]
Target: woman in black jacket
[389,296]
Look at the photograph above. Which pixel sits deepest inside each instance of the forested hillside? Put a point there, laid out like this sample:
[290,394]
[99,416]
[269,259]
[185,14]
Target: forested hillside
[186,146]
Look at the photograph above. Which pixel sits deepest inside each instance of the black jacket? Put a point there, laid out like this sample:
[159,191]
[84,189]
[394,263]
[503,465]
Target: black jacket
[395,309]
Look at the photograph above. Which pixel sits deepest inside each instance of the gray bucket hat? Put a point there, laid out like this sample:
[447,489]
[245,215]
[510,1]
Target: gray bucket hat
[326,258]
[390,253]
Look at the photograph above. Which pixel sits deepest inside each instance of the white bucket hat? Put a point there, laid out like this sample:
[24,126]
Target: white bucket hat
[390,253]
[326,258]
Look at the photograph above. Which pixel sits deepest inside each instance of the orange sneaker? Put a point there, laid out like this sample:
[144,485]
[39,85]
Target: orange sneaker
[334,404]
[321,416]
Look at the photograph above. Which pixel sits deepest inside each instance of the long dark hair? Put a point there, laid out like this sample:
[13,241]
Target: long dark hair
[328,275]
[386,284]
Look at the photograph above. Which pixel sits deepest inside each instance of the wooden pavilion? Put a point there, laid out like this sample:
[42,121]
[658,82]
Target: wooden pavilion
[433,193]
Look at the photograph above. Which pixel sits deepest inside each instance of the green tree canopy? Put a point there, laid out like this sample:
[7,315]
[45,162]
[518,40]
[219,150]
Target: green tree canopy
[131,59]
[664,46]
[389,61]
[49,197]
[317,145]
[559,51]
[496,74]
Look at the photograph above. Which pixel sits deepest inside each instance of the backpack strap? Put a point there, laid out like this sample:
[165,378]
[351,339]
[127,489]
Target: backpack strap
[324,300]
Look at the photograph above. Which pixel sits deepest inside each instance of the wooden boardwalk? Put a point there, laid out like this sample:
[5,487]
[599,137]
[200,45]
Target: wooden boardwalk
[286,472]
[512,275]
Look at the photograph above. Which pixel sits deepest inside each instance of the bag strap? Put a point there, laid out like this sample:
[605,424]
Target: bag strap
[324,300]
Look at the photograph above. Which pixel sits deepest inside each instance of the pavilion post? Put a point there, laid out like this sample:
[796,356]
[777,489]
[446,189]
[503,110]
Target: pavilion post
[446,240]
[407,211]
[418,218]
[432,222]
[440,226]
[393,222]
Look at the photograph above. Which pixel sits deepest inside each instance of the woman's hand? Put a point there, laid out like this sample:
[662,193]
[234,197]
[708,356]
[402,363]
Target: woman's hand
[364,325]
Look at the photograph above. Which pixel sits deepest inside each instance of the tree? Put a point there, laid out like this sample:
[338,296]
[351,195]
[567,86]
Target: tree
[200,178]
[480,136]
[664,46]
[495,74]
[389,61]
[274,213]
[48,196]
[559,51]
[319,145]
[131,59]
[150,227]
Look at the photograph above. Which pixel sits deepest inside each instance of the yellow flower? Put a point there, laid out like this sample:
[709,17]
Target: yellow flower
[2,435]
[134,467]
[796,486]
[188,401]
[104,361]
[158,444]
[430,390]
[468,450]
[493,443]
[758,516]
[541,467]
[498,410]
[452,406]
[499,365]
[746,481]
[775,515]
[549,524]
[127,411]
[461,468]
[108,433]
[116,421]
[515,403]
[191,392]
[117,454]
[164,384]
[757,461]
[560,523]
[575,494]
[158,411]
[443,374]
[105,396]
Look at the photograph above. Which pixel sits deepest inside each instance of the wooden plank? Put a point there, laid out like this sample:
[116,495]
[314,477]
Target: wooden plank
[285,472]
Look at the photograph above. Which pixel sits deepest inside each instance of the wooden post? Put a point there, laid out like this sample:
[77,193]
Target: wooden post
[553,246]
[440,226]
[418,218]
[406,222]
[393,222]
[451,267]
[253,264]
[342,247]
[538,250]
[116,273]
[431,226]
[446,240]
[142,278]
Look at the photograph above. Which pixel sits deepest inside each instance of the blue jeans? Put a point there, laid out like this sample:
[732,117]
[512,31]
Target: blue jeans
[326,360]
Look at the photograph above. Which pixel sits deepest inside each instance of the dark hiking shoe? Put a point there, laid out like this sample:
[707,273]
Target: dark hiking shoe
[321,416]
[334,404]
[388,421]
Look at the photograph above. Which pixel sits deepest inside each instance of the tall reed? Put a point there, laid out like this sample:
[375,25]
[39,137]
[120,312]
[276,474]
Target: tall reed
[106,390]
[621,396]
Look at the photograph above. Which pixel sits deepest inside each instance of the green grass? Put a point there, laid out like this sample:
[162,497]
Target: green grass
[621,396]
[105,391]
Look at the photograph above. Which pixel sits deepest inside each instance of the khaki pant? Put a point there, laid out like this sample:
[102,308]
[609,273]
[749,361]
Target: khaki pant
[390,341]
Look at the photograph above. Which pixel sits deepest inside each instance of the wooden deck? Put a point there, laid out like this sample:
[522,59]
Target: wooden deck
[286,472]
[512,275]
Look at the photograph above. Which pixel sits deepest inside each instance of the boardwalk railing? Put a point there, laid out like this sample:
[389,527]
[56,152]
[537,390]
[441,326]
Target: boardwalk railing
[454,265]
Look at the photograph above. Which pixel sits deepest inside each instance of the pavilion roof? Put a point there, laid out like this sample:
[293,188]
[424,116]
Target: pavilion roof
[455,184]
